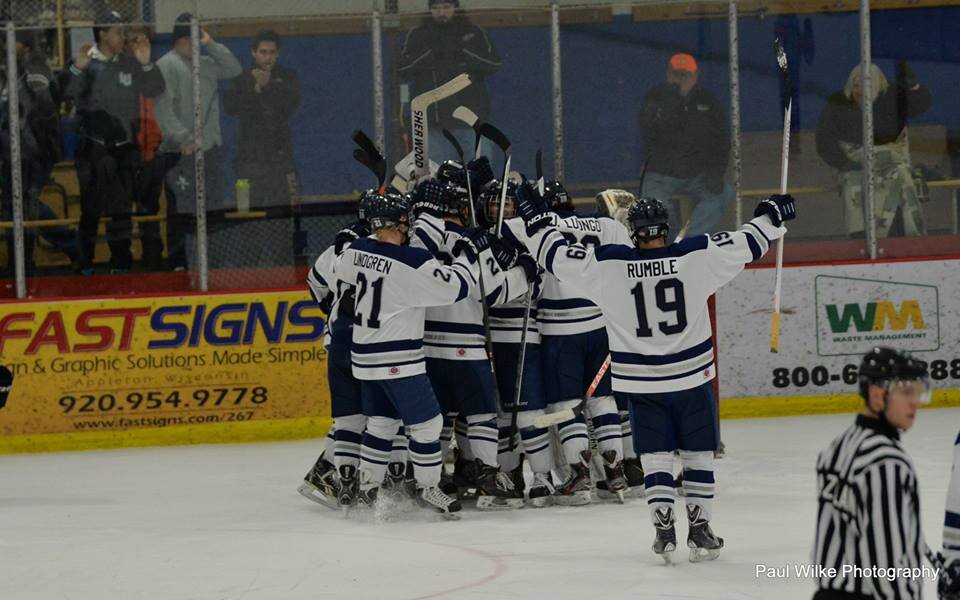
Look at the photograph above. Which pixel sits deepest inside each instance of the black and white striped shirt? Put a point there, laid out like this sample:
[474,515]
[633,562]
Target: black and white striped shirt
[869,513]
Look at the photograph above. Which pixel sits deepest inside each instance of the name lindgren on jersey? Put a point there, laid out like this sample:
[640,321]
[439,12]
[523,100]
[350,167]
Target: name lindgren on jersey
[951,521]
[393,287]
[654,302]
[455,332]
[506,318]
[563,309]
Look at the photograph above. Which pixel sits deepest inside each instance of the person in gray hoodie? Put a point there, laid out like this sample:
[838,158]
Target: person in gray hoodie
[174,109]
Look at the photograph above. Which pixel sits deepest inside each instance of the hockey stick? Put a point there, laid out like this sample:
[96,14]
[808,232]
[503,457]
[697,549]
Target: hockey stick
[418,120]
[569,414]
[468,117]
[374,159]
[497,137]
[456,147]
[784,166]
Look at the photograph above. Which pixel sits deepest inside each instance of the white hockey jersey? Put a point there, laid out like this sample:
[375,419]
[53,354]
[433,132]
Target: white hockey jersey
[506,318]
[654,302]
[455,332]
[340,319]
[951,521]
[563,308]
[393,286]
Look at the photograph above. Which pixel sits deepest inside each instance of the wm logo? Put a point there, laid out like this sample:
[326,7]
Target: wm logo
[874,316]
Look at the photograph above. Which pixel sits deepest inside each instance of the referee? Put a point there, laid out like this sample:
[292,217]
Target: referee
[868,520]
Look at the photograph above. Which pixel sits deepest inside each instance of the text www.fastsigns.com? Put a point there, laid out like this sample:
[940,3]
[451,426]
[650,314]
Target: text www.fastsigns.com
[121,422]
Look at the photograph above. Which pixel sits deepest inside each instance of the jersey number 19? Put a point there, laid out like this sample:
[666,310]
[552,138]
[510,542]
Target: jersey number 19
[676,305]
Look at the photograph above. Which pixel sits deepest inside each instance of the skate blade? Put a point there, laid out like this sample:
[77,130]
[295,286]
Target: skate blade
[448,516]
[540,502]
[495,503]
[580,498]
[703,554]
[667,554]
[315,494]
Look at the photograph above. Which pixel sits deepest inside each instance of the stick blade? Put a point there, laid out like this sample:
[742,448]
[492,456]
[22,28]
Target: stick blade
[496,136]
[775,332]
[782,65]
[454,142]
[465,115]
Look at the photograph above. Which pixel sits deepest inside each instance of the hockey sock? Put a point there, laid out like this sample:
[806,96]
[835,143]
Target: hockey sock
[446,433]
[507,459]
[374,456]
[328,449]
[536,442]
[483,434]
[399,452]
[463,441]
[573,434]
[347,439]
[424,449]
[698,480]
[626,435]
[658,481]
[606,424]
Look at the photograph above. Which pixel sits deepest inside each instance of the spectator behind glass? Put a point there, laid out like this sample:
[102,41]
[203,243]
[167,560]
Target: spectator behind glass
[150,171]
[264,98]
[106,85]
[39,151]
[442,46]
[839,144]
[174,111]
[684,129]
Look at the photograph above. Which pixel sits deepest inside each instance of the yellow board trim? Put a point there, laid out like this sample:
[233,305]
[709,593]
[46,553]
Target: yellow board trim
[787,406]
[267,430]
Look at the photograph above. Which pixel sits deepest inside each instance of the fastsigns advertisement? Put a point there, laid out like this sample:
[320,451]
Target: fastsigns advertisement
[143,363]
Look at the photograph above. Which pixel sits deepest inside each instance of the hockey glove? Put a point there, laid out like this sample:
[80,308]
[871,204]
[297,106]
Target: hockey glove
[6,385]
[503,253]
[948,585]
[778,207]
[532,208]
[481,173]
[472,244]
[530,267]
[431,197]
[348,235]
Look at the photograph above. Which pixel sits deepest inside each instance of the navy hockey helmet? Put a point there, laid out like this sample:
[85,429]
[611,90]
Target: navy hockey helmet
[556,196]
[489,205]
[647,219]
[455,198]
[885,367]
[390,209]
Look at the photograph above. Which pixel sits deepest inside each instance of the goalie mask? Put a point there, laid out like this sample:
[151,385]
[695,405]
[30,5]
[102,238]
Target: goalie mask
[647,220]
[616,204]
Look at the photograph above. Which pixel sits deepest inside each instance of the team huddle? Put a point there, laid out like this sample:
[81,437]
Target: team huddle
[535,316]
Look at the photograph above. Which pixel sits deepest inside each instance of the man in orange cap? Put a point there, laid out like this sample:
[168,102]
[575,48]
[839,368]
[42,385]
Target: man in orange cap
[687,141]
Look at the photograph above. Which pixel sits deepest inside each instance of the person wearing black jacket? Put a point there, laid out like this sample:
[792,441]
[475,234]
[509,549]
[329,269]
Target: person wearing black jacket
[264,98]
[106,84]
[687,143]
[839,144]
[444,45]
[39,149]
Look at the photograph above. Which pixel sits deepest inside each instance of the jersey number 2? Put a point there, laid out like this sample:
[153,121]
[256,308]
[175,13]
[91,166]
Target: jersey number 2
[377,286]
[676,305]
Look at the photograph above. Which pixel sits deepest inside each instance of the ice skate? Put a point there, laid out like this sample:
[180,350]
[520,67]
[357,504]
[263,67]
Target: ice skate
[541,490]
[495,490]
[633,471]
[516,476]
[349,481]
[666,541]
[703,543]
[465,477]
[575,491]
[321,485]
[616,481]
[433,497]
[397,485]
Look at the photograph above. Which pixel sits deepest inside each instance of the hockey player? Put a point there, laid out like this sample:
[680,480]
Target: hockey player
[506,327]
[869,509]
[454,336]
[949,584]
[574,346]
[393,285]
[654,302]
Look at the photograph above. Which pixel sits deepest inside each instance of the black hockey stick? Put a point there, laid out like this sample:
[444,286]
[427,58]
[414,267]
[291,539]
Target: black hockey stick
[497,137]
[369,156]
[456,146]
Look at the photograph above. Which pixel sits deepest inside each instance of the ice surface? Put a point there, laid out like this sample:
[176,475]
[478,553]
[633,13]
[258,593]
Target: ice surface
[226,522]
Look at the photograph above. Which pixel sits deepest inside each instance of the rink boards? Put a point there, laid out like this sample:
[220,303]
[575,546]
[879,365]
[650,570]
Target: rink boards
[233,367]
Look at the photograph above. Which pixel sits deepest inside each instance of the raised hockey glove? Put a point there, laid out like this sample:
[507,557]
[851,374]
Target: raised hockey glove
[431,197]
[6,385]
[473,242]
[948,584]
[349,234]
[503,252]
[779,207]
[530,267]
[532,208]
[481,173]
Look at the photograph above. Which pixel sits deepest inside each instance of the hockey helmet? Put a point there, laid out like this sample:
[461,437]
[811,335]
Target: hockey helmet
[647,220]
[489,204]
[390,209]
[887,368]
[556,196]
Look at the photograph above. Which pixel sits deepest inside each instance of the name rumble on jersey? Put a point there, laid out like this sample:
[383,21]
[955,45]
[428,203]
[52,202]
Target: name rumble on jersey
[372,262]
[652,268]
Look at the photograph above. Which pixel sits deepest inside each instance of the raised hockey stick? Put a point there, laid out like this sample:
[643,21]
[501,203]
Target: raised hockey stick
[468,117]
[497,137]
[418,121]
[369,156]
[784,167]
